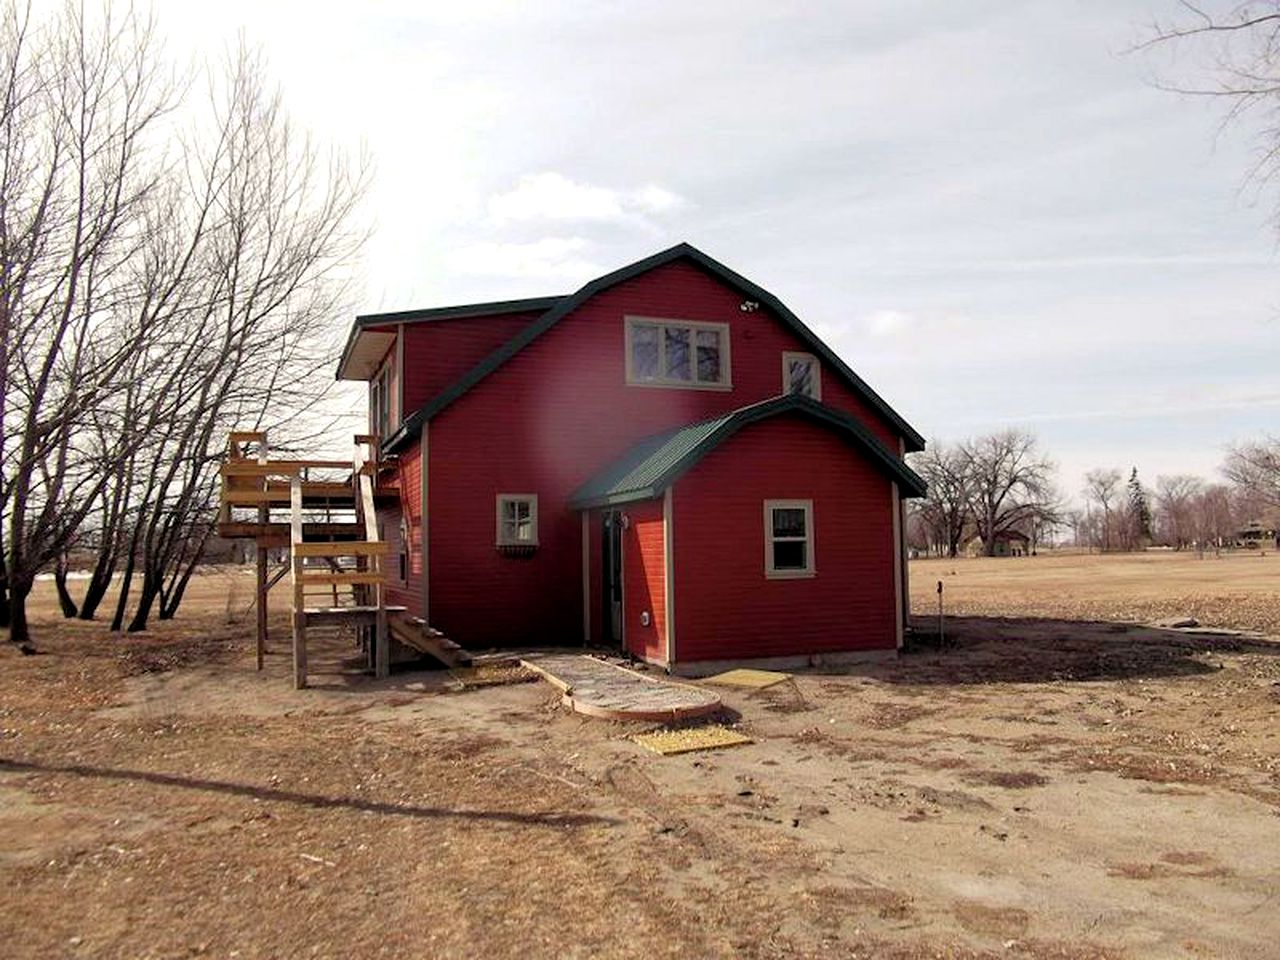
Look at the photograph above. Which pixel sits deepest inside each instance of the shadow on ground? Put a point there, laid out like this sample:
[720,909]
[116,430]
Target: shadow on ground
[318,801]
[1032,650]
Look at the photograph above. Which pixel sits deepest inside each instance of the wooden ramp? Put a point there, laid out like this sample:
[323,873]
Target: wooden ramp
[414,633]
[601,689]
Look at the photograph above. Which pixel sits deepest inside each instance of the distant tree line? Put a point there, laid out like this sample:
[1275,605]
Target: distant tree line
[1184,511]
[168,264]
[1001,485]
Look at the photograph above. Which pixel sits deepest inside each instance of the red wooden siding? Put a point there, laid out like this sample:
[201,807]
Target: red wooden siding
[726,608]
[408,594]
[438,352]
[549,419]
[644,580]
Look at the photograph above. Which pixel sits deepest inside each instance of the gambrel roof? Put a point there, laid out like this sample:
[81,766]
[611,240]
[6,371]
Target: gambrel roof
[563,306]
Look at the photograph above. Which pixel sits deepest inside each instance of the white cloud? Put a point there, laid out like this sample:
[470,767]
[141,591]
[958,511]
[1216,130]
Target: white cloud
[553,196]
[548,258]
[655,199]
[887,323]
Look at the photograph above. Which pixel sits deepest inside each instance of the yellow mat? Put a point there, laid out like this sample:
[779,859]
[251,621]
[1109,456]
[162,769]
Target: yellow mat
[758,679]
[710,737]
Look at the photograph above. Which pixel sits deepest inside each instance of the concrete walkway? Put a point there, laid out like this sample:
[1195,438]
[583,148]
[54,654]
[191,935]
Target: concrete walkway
[598,688]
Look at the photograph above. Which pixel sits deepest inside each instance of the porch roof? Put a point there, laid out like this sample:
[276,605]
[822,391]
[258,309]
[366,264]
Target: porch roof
[648,468]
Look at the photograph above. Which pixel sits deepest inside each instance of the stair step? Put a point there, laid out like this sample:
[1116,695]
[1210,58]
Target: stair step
[414,632]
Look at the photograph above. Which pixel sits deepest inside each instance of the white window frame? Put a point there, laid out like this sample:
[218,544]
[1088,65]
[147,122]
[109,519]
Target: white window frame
[381,422]
[501,500]
[402,557]
[810,568]
[693,326]
[792,355]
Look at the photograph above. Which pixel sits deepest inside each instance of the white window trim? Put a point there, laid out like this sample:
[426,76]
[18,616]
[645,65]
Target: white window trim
[402,573]
[380,401]
[504,498]
[726,365]
[810,562]
[790,355]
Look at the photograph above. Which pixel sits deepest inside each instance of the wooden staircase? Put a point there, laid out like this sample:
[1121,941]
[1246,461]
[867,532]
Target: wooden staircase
[414,633]
[330,527]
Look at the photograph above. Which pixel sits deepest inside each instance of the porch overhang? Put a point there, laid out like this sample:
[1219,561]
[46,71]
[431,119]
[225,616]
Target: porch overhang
[648,468]
[364,352]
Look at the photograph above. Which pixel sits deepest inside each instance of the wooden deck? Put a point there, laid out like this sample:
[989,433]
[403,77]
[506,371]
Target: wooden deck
[323,512]
[601,689]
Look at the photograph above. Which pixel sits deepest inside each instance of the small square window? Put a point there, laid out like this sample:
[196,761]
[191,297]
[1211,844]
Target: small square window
[802,374]
[788,538]
[517,520]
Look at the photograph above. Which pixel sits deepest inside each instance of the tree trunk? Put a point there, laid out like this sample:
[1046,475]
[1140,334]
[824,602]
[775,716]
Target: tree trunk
[19,631]
[99,583]
[170,601]
[4,592]
[169,605]
[69,609]
[122,601]
[146,599]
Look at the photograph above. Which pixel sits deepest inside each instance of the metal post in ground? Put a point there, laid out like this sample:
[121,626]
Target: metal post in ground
[942,637]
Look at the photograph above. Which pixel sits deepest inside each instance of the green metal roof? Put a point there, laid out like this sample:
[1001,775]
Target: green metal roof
[652,465]
[412,425]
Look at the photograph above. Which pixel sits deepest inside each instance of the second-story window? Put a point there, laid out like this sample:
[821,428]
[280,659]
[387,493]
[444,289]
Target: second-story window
[677,353]
[801,374]
[380,403]
[376,405]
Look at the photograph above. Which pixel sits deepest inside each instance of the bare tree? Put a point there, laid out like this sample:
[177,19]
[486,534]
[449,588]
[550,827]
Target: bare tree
[1175,509]
[1102,487]
[159,283]
[1229,53]
[76,104]
[1215,518]
[1011,483]
[1255,468]
[945,509]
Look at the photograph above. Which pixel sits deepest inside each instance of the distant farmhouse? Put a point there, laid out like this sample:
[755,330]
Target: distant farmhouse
[1258,534]
[1008,543]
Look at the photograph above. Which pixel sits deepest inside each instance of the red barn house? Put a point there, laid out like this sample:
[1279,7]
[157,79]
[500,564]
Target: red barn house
[667,461]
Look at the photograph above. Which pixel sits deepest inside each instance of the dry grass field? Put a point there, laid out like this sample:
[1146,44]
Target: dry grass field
[1239,590]
[1048,786]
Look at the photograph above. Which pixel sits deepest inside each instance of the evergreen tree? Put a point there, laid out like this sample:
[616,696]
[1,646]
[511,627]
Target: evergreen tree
[1139,508]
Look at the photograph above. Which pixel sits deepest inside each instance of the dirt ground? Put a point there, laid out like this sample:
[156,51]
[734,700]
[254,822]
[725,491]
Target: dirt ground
[1042,788]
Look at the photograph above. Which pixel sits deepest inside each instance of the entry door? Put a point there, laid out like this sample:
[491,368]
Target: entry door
[611,576]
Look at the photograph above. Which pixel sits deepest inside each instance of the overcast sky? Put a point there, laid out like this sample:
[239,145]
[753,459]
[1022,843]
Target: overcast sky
[984,207]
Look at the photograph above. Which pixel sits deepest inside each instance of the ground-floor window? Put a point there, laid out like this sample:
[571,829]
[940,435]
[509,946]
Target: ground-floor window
[517,520]
[402,557]
[788,538]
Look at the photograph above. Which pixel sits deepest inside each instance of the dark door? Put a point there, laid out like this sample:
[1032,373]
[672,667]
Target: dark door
[611,577]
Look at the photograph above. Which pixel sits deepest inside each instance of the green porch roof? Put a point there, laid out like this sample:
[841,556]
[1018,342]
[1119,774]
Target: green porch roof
[652,465]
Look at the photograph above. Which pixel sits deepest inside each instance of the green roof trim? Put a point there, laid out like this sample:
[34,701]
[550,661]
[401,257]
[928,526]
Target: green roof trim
[459,311]
[412,425]
[652,465]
